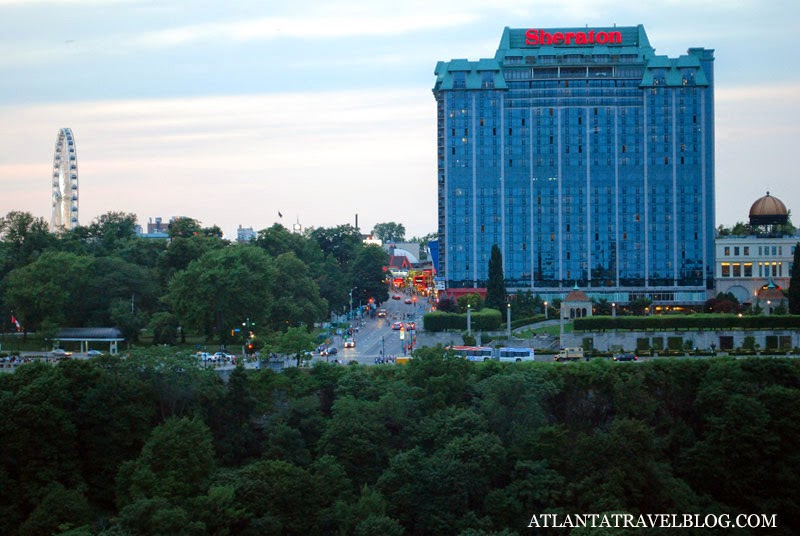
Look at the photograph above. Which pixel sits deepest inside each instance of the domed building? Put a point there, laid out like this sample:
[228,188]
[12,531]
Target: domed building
[746,265]
[768,210]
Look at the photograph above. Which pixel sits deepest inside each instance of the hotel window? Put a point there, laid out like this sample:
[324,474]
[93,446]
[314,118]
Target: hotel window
[727,251]
[746,251]
[748,269]
[736,251]
[726,269]
[737,270]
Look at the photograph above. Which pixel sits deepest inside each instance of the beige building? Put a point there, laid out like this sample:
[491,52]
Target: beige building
[746,265]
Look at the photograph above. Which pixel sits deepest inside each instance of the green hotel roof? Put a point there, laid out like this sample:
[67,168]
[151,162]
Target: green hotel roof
[658,70]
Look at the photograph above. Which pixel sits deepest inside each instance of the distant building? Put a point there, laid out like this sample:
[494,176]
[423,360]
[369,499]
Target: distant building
[245,234]
[371,240]
[746,266]
[576,304]
[585,157]
[404,249]
[156,228]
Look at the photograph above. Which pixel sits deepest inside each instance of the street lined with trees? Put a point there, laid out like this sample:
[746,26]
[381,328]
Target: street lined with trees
[104,274]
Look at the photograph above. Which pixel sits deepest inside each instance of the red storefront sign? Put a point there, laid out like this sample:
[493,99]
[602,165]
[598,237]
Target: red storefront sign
[541,37]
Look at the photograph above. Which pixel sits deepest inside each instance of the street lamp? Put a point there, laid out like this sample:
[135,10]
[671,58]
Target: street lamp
[545,310]
[351,309]
[613,309]
[469,319]
[508,322]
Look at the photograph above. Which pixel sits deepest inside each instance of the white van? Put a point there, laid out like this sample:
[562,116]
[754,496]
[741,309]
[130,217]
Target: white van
[515,354]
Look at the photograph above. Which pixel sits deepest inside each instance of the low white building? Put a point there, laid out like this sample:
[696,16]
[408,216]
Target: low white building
[747,264]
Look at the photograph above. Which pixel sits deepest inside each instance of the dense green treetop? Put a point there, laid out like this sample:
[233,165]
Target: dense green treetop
[103,274]
[151,443]
[389,232]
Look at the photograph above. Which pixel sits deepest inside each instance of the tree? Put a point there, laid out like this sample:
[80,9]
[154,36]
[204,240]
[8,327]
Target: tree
[389,232]
[640,306]
[447,305]
[111,280]
[48,289]
[496,295]
[296,300]
[165,328]
[110,231]
[181,251]
[794,283]
[722,303]
[367,274]
[183,227]
[176,462]
[474,301]
[129,321]
[277,240]
[339,242]
[26,237]
[295,341]
[222,288]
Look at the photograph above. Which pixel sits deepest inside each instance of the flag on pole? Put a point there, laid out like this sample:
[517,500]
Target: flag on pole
[279,214]
[16,322]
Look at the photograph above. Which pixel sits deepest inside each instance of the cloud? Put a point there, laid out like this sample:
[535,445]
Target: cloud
[313,28]
[320,157]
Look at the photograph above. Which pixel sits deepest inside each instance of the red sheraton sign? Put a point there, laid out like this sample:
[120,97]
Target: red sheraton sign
[541,37]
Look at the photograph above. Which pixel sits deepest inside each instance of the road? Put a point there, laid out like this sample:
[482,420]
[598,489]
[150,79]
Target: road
[376,338]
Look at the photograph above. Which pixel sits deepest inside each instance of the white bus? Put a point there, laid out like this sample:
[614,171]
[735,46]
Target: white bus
[472,353]
[515,354]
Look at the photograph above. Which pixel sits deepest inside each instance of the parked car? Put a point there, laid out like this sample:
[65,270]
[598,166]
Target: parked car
[626,357]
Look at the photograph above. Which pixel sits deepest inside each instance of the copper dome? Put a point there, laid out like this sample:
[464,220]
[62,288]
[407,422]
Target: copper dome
[768,210]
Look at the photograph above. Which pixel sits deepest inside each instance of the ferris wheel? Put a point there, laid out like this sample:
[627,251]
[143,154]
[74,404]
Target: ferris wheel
[65,183]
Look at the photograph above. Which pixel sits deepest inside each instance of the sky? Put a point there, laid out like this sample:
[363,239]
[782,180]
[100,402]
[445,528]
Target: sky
[320,112]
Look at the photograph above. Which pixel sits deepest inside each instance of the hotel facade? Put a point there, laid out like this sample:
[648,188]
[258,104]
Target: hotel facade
[587,158]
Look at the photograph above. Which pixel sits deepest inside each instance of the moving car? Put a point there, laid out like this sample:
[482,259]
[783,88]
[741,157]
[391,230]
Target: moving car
[381,313]
[396,297]
[397,326]
[408,301]
[60,352]
[626,357]
[349,343]
[329,351]
[93,353]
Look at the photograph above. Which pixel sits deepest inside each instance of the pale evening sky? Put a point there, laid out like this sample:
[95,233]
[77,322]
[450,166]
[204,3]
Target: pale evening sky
[230,112]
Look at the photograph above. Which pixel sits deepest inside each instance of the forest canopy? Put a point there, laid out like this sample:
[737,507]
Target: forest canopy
[152,444]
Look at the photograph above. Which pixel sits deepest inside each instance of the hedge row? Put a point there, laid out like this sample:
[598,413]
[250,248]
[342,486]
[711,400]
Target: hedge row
[483,320]
[693,322]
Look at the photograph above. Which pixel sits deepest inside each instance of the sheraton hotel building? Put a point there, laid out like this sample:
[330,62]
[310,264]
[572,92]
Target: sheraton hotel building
[586,158]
